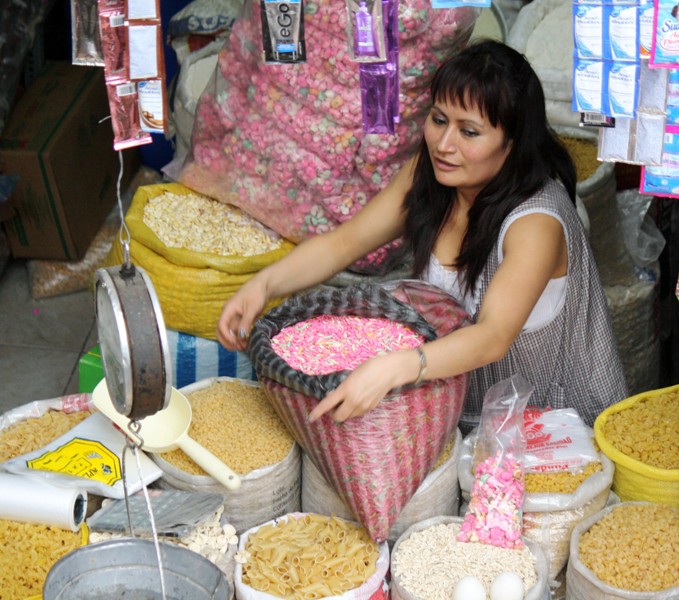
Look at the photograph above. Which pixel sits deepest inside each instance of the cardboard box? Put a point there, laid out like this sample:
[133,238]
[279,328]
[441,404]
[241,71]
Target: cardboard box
[62,152]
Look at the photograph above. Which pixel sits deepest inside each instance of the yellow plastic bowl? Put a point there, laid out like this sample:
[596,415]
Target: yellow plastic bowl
[634,480]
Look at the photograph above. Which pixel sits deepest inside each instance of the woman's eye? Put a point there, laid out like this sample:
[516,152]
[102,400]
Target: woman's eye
[469,133]
[438,120]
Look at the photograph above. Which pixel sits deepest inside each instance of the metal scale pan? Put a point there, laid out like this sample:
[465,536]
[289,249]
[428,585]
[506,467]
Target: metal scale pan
[137,388]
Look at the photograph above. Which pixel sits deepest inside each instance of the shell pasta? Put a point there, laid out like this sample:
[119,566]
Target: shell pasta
[308,558]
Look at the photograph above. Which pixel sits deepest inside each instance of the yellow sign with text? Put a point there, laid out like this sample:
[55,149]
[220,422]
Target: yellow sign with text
[84,458]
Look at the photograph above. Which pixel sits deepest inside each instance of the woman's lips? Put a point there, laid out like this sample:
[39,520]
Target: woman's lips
[445,166]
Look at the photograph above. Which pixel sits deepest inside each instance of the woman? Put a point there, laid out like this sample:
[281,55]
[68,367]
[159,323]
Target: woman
[487,207]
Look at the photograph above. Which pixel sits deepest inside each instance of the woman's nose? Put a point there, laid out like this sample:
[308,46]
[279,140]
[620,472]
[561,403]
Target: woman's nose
[448,140]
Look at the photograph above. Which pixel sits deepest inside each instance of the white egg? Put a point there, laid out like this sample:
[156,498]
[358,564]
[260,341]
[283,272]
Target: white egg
[469,588]
[507,586]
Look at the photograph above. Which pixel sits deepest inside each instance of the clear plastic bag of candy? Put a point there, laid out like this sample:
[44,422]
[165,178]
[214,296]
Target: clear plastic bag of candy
[494,515]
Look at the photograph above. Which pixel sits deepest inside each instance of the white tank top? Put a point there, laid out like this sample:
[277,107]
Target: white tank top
[548,305]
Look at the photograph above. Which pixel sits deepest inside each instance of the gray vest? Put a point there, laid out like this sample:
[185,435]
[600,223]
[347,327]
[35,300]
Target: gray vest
[573,361]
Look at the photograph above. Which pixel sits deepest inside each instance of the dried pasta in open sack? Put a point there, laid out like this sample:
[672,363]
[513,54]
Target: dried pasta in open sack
[640,537]
[306,556]
[377,461]
[234,420]
[192,281]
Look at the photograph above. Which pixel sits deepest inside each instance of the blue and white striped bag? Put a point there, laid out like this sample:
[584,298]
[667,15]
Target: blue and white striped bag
[195,358]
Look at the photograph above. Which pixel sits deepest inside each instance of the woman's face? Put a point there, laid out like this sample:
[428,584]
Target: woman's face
[465,149]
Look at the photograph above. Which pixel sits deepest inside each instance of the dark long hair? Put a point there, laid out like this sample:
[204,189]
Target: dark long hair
[501,83]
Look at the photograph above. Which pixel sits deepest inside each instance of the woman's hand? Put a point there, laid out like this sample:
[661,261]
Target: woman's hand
[365,387]
[239,314]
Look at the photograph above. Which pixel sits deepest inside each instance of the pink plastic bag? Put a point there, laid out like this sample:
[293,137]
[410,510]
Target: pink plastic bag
[285,142]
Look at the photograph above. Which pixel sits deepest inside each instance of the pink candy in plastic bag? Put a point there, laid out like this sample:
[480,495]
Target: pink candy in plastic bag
[494,514]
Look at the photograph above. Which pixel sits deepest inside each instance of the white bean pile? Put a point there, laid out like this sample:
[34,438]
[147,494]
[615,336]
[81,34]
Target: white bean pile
[430,562]
[211,539]
[201,224]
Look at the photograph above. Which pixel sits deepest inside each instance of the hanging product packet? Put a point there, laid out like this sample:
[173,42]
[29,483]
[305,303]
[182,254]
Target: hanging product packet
[494,515]
[665,41]
[114,44]
[380,81]
[366,31]
[85,37]
[283,31]
[123,104]
[664,180]
[147,63]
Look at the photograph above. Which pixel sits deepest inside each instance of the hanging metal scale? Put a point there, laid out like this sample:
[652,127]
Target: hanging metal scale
[133,340]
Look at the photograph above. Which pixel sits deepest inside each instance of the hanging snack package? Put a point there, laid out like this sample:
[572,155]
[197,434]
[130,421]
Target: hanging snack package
[86,41]
[494,513]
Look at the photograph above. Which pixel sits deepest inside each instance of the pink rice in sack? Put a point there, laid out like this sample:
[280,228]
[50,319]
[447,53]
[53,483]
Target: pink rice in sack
[494,515]
[285,142]
[375,462]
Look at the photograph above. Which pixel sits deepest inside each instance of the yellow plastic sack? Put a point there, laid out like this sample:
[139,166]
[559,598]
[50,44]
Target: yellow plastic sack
[633,480]
[191,286]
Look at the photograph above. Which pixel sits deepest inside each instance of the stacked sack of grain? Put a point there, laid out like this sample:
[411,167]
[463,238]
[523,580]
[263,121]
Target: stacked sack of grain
[631,293]
[234,420]
[197,252]
[285,142]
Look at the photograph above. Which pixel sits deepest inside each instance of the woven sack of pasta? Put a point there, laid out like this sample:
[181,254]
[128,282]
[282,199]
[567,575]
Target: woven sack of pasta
[427,562]
[573,483]
[233,418]
[307,346]
[197,252]
[297,159]
[437,495]
[639,434]
[307,556]
[35,547]
[627,551]
[32,426]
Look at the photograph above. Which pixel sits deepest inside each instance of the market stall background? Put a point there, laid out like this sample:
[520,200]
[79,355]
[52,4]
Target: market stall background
[46,337]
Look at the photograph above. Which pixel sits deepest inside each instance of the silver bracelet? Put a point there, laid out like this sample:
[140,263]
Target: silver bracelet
[423,365]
